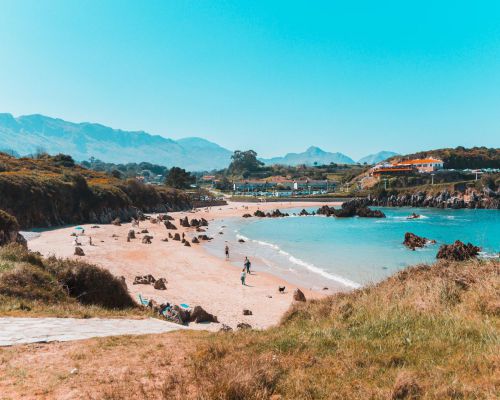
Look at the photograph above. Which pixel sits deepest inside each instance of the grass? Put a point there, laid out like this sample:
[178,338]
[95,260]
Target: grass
[31,285]
[428,332]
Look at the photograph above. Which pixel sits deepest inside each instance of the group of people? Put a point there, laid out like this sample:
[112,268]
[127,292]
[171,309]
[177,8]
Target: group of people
[246,266]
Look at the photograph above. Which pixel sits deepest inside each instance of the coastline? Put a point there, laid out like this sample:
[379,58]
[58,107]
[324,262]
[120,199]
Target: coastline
[194,275]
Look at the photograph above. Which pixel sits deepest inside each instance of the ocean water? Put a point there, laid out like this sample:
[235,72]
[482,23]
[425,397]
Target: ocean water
[317,251]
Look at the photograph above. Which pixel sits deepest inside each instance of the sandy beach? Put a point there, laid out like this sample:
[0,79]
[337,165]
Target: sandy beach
[194,276]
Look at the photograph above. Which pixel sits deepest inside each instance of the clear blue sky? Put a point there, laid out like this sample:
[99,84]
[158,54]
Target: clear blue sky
[349,76]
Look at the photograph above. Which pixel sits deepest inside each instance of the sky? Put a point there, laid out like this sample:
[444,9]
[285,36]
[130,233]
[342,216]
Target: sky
[273,76]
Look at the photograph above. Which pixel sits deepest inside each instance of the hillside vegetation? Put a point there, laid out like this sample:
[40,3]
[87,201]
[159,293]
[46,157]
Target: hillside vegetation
[461,158]
[52,190]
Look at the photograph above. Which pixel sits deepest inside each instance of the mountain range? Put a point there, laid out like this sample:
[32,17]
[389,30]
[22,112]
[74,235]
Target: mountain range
[31,133]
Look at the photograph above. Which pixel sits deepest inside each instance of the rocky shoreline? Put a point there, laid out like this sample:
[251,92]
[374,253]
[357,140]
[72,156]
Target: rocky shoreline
[487,199]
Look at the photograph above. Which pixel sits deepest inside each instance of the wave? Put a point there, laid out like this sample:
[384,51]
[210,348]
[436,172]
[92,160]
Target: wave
[302,263]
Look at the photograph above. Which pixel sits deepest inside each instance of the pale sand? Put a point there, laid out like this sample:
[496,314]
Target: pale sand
[194,276]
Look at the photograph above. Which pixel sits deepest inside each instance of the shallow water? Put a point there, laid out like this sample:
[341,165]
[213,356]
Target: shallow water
[317,251]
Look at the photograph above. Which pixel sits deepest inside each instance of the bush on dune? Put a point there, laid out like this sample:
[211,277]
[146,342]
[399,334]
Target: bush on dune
[25,275]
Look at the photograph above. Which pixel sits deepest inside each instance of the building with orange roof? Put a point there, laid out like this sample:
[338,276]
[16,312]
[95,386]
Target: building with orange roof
[421,164]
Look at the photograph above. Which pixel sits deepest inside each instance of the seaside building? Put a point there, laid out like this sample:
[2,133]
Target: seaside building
[405,167]
[282,184]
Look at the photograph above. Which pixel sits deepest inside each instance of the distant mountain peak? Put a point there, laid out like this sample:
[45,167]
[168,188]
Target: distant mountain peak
[312,155]
[377,157]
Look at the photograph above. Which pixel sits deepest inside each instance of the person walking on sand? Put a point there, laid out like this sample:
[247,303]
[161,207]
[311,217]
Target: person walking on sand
[226,249]
[247,265]
[243,276]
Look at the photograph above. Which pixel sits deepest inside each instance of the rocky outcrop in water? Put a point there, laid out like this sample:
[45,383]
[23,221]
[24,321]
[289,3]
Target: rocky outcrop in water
[468,198]
[413,241]
[458,251]
[352,208]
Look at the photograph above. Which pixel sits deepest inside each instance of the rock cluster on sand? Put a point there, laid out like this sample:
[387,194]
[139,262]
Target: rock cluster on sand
[199,315]
[413,241]
[144,280]
[274,214]
[458,251]
[356,207]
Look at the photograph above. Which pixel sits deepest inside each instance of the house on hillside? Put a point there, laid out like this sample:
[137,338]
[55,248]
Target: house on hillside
[405,167]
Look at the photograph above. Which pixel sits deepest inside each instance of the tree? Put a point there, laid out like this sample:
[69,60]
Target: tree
[178,178]
[244,162]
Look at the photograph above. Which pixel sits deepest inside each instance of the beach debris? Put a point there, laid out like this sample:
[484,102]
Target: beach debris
[221,233]
[177,237]
[116,222]
[281,289]
[183,314]
[241,241]
[169,225]
[144,280]
[458,251]
[247,312]
[73,371]
[144,231]
[186,243]
[160,284]
[131,234]
[225,328]
[199,315]
[298,295]
[243,325]
[406,387]
[79,251]
[195,240]
[413,241]
[147,239]
[247,215]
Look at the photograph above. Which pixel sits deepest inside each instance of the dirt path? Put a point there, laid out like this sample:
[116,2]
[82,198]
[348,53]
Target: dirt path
[32,330]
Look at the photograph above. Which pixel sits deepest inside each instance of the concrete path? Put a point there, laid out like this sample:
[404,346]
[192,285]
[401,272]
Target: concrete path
[31,330]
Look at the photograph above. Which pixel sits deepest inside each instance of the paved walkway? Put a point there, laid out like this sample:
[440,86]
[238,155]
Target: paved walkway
[31,330]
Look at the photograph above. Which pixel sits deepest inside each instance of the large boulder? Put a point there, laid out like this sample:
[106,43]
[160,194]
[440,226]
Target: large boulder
[199,315]
[247,215]
[259,214]
[413,241]
[79,251]
[131,234]
[458,251]
[303,212]
[203,222]
[144,280]
[177,237]
[195,240]
[169,225]
[146,239]
[160,284]
[298,295]
[184,222]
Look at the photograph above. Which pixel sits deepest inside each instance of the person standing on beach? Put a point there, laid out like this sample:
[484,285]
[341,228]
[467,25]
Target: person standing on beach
[227,252]
[247,265]
[243,276]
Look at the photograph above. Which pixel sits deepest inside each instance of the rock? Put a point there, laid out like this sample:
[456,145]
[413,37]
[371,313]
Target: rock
[184,222]
[160,284]
[203,222]
[167,218]
[131,234]
[204,237]
[164,240]
[153,220]
[170,235]
[144,280]
[144,231]
[187,244]
[79,251]
[325,288]
[177,237]
[458,251]
[225,328]
[413,216]
[169,225]
[277,214]
[303,212]
[199,315]
[352,208]
[241,241]
[244,325]
[259,214]
[298,295]
[195,223]
[114,235]
[413,241]
[200,230]
[147,239]
[195,240]
[184,315]
[95,227]
[247,215]
[247,312]
[116,222]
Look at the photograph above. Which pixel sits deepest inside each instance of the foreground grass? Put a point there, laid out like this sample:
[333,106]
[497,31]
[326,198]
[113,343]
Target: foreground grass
[33,286]
[427,332]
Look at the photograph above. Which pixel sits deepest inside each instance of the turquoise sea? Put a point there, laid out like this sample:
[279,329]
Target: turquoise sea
[317,251]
